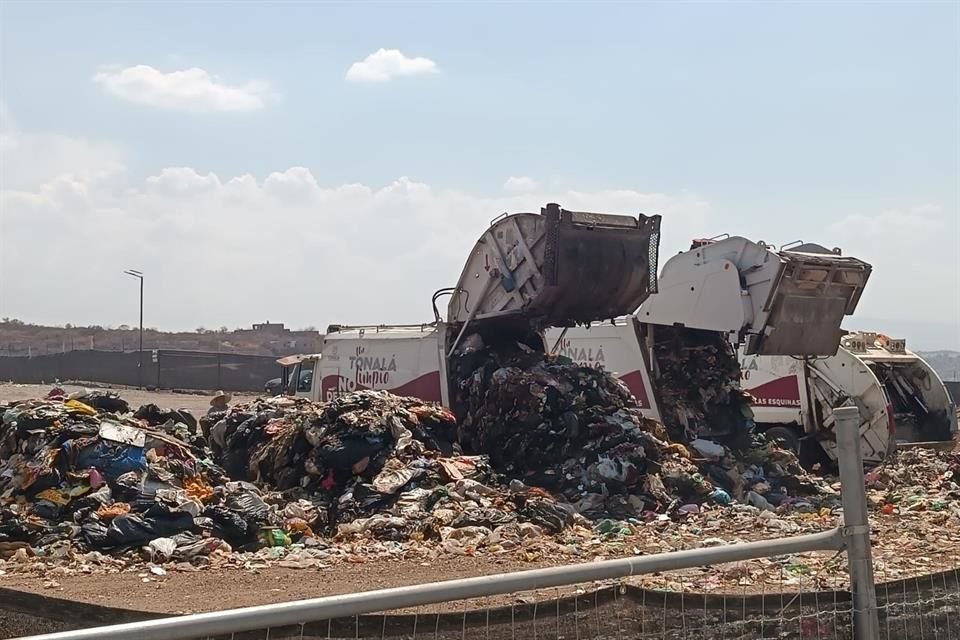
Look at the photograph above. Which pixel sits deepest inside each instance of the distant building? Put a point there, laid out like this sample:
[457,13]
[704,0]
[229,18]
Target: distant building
[270,326]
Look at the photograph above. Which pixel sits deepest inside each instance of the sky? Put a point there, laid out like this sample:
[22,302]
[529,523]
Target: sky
[315,163]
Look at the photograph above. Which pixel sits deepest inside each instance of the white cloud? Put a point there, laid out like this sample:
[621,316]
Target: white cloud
[895,224]
[181,181]
[29,160]
[386,64]
[916,272]
[520,184]
[219,250]
[296,183]
[187,90]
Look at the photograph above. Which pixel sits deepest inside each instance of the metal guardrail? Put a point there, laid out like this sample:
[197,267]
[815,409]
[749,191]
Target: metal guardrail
[853,537]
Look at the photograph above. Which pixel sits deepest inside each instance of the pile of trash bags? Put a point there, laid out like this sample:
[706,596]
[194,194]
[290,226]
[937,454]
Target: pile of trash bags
[110,480]
[377,464]
[573,430]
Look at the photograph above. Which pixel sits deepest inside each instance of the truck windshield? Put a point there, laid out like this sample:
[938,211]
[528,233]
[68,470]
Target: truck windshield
[306,375]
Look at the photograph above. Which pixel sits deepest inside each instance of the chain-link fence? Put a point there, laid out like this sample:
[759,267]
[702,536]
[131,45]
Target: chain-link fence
[769,598]
[622,611]
[160,369]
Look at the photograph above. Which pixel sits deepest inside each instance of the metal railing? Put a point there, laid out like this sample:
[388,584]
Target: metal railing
[852,613]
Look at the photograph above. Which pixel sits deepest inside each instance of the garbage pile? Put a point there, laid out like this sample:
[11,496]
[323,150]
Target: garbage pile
[102,480]
[379,465]
[700,386]
[578,432]
[916,481]
[545,447]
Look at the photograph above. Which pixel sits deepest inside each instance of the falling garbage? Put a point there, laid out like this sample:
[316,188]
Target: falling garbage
[700,386]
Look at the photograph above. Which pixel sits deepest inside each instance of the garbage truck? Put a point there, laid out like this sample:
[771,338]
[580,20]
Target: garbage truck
[900,397]
[558,268]
[296,375]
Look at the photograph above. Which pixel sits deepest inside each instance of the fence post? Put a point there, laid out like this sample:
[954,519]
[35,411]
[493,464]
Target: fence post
[856,526]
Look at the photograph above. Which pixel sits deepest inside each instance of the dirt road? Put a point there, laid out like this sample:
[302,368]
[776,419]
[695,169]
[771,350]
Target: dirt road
[197,404]
[213,589]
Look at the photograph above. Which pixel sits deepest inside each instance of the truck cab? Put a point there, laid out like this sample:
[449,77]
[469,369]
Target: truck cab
[298,374]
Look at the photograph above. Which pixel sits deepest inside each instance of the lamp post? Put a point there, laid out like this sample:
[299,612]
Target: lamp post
[139,276]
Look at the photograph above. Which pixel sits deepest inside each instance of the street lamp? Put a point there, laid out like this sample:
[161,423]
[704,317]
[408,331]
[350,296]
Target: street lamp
[139,276]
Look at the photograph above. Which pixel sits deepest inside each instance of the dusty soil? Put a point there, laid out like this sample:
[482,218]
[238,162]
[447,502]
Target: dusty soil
[197,404]
[213,589]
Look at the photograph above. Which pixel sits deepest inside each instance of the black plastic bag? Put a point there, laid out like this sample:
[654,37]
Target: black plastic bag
[344,452]
[227,525]
[105,401]
[553,517]
[242,499]
[155,416]
[159,522]
[93,500]
[483,517]
[94,533]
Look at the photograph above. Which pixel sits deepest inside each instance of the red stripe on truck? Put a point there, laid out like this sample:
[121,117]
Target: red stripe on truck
[634,382]
[782,392]
[425,387]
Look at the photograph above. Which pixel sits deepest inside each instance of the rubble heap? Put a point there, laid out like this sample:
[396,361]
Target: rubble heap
[374,476]
[916,480]
[369,465]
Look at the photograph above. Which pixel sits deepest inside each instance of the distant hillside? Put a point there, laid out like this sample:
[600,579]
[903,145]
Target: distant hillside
[946,363]
[18,338]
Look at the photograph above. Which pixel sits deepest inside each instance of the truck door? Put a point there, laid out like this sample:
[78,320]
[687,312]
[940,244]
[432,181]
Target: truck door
[558,268]
[845,380]
[806,305]
[786,303]
[777,385]
[301,381]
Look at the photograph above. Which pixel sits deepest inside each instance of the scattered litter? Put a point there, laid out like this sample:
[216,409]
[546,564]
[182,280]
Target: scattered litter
[372,476]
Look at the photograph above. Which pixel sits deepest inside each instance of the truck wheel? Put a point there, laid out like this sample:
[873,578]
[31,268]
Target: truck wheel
[785,435]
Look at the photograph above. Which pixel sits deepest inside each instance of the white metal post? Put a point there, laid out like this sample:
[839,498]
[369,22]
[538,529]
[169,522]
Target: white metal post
[856,529]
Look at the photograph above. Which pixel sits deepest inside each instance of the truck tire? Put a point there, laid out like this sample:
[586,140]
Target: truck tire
[787,437]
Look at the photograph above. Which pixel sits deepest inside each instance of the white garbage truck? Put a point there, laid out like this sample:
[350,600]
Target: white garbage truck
[900,397]
[529,272]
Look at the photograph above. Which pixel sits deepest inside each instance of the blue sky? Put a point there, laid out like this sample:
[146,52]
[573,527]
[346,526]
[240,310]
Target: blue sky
[788,120]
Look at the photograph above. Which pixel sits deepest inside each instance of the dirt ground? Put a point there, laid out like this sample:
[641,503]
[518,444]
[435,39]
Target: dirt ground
[197,404]
[211,590]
